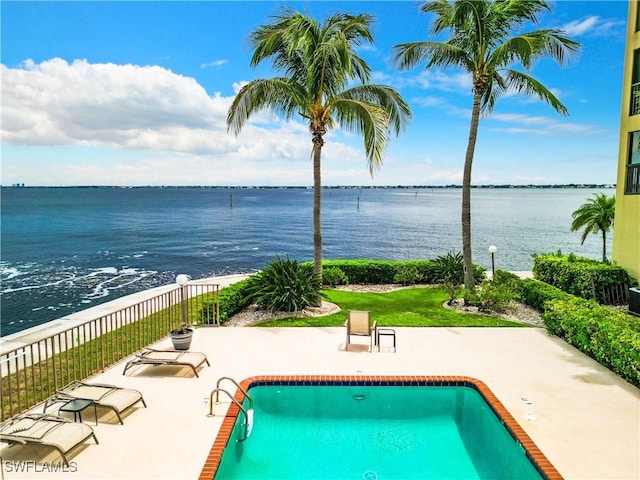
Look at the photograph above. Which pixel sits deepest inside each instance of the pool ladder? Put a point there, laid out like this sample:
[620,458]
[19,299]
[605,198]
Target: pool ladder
[248,414]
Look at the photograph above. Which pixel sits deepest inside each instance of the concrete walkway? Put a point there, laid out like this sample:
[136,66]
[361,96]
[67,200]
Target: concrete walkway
[585,419]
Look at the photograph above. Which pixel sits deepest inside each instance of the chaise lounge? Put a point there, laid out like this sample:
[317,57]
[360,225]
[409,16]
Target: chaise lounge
[179,358]
[46,430]
[114,398]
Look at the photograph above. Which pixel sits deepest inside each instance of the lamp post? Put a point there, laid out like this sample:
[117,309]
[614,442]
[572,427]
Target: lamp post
[182,280]
[493,249]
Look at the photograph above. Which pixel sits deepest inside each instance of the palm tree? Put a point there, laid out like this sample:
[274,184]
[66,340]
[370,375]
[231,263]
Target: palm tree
[481,43]
[596,215]
[319,63]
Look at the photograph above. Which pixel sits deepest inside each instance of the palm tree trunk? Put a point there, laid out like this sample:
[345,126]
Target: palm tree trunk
[317,207]
[469,281]
[604,246]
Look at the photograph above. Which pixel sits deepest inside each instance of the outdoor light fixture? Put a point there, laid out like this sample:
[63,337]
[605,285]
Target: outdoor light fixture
[493,249]
[182,280]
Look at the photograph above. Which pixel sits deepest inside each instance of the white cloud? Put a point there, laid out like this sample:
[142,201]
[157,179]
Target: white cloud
[215,63]
[592,26]
[579,27]
[537,125]
[458,81]
[427,101]
[159,127]
[131,107]
[121,106]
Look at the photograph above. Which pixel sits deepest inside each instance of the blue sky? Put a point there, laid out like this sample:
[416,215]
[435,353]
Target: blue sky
[136,93]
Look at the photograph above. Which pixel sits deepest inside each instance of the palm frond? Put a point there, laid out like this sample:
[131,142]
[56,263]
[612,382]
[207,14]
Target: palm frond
[443,11]
[374,111]
[385,97]
[276,94]
[369,120]
[496,87]
[555,44]
[523,83]
[408,55]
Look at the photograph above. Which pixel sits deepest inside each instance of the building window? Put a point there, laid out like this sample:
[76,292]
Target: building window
[635,84]
[632,182]
[637,17]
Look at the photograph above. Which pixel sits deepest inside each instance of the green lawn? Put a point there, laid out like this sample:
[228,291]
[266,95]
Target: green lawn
[412,307]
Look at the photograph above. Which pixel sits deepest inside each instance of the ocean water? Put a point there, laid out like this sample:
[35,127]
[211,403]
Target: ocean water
[67,249]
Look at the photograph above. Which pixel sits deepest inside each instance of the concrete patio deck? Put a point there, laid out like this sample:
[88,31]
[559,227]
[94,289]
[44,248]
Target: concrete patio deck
[585,419]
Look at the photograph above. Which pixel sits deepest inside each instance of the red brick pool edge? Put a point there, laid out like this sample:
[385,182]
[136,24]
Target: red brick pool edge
[542,464]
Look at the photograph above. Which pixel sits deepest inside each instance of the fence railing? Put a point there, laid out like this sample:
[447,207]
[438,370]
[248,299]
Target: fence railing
[33,372]
[632,184]
[617,294]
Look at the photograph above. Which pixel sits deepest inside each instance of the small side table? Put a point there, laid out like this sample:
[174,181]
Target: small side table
[77,405]
[387,332]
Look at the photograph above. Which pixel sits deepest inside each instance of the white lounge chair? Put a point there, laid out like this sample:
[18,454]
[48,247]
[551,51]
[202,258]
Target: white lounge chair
[46,430]
[114,398]
[179,358]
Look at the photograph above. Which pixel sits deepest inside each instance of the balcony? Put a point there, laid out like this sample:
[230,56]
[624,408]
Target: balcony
[632,184]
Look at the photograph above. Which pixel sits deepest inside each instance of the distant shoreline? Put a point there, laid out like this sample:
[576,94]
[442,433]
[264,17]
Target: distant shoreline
[325,187]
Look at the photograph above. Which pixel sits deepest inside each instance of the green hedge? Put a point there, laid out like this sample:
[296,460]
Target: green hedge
[582,277]
[232,299]
[610,337]
[389,271]
[536,293]
[366,271]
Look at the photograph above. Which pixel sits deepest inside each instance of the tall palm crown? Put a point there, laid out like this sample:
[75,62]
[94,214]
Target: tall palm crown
[595,215]
[481,42]
[319,62]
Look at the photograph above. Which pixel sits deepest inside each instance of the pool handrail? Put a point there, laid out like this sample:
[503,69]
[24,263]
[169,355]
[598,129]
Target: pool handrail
[237,386]
[246,414]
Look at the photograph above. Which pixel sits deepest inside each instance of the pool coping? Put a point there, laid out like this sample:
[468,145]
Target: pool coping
[535,455]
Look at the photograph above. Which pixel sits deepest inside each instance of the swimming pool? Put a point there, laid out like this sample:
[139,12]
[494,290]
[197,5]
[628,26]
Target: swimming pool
[373,428]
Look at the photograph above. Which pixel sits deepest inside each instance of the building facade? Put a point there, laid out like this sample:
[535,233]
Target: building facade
[626,228]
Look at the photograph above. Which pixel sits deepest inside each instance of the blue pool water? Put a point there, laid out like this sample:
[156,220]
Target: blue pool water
[373,432]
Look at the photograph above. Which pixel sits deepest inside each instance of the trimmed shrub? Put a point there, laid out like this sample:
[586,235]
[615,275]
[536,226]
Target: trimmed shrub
[493,297]
[286,285]
[407,275]
[471,296]
[232,299]
[608,336]
[333,276]
[536,293]
[510,281]
[388,271]
[421,270]
[373,272]
[583,277]
[365,271]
